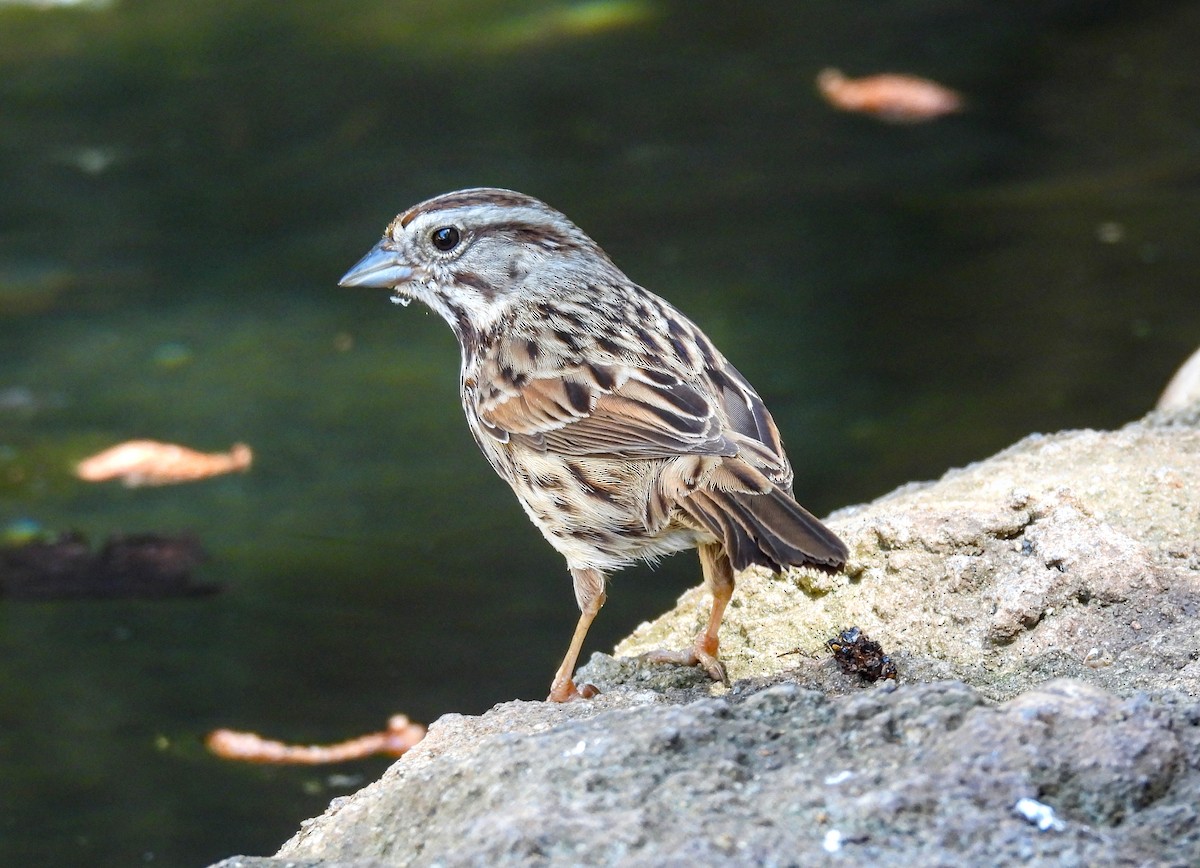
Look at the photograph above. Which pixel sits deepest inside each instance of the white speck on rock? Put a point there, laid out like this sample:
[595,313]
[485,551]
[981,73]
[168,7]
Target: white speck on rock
[1039,814]
[579,748]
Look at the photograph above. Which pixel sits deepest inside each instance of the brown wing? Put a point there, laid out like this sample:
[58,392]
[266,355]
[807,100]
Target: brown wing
[616,412]
[750,424]
[724,463]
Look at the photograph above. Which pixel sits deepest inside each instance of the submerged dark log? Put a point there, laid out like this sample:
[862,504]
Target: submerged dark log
[146,566]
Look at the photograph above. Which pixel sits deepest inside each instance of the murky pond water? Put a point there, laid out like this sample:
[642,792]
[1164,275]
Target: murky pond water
[184,183]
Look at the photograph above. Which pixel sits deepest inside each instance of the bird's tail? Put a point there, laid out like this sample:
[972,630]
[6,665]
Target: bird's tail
[769,529]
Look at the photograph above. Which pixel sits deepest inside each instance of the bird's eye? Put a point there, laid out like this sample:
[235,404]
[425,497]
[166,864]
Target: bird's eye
[445,239]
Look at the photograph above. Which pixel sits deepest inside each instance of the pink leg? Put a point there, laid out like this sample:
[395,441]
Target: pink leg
[718,577]
[589,592]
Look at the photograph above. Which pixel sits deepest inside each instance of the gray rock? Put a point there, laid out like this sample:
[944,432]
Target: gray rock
[1043,608]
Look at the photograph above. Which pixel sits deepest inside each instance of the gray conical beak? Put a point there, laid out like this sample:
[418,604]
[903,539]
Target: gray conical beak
[381,267]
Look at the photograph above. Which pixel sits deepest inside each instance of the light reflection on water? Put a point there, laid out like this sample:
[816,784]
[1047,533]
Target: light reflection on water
[185,184]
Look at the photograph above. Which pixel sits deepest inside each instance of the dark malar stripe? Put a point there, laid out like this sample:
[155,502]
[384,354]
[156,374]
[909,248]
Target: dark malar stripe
[465,331]
[476,282]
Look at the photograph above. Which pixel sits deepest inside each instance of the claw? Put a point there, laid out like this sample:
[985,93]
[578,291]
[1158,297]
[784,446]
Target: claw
[566,691]
[714,668]
[698,655]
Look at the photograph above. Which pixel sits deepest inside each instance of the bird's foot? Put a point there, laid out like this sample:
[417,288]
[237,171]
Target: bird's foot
[566,691]
[702,654]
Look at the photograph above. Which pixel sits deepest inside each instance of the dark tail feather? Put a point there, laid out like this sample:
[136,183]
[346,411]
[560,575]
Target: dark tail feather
[710,510]
[769,529]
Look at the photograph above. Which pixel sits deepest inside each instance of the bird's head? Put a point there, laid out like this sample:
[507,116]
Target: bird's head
[470,254]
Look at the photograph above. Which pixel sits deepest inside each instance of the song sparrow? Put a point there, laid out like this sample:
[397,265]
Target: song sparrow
[622,430]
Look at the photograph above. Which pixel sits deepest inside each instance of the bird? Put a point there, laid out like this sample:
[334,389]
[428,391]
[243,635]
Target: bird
[624,433]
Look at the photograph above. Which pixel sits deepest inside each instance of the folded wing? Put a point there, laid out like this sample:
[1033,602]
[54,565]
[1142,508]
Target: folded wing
[721,464]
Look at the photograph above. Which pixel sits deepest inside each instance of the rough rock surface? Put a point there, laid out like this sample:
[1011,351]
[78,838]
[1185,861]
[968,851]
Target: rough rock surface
[1043,609]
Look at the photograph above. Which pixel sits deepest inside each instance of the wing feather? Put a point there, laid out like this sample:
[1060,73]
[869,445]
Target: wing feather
[619,412]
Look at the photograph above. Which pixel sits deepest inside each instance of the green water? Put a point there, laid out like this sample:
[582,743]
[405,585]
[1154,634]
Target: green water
[181,185]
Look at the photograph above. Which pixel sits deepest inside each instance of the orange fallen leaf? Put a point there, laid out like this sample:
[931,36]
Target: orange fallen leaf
[148,462]
[401,734]
[889,96]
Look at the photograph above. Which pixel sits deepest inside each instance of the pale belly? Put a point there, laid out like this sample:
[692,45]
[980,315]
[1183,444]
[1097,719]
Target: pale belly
[593,510]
